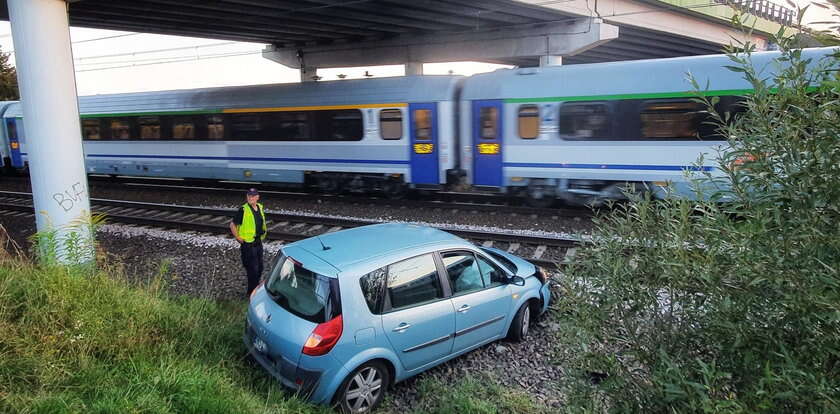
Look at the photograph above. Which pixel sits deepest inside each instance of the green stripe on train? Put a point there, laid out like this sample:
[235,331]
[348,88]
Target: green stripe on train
[656,95]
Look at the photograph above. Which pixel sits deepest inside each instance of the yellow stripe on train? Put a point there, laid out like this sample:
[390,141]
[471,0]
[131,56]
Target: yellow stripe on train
[315,108]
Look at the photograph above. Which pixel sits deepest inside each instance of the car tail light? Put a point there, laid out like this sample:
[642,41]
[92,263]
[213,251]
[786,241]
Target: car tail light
[324,337]
[256,289]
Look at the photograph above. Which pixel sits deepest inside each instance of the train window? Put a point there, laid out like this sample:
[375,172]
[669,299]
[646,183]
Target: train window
[529,121]
[339,125]
[489,122]
[90,129]
[291,126]
[247,126]
[215,127]
[120,129]
[672,119]
[422,124]
[149,127]
[585,120]
[390,123]
[183,127]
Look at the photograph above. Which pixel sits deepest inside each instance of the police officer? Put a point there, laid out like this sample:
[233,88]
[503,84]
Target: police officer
[249,228]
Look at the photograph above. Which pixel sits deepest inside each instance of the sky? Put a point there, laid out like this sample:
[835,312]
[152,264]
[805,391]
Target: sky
[113,62]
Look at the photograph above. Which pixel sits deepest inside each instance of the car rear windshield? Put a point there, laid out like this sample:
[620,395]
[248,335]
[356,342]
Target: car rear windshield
[302,292]
[503,260]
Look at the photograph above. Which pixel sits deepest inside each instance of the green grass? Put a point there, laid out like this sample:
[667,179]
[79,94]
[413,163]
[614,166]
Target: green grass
[73,343]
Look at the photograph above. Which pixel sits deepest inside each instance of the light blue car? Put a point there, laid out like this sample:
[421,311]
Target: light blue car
[345,315]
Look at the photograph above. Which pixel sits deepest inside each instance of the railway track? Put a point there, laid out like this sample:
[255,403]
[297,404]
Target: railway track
[452,201]
[544,251]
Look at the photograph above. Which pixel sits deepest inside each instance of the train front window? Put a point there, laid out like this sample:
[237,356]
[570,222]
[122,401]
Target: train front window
[149,127]
[120,129]
[672,119]
[390,123]
[529,121]
[585,121]
[422,124]
[90,129]
[489,122]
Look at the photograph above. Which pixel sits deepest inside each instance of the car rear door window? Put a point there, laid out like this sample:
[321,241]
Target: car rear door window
[413,281]
[371,285]
[463,272]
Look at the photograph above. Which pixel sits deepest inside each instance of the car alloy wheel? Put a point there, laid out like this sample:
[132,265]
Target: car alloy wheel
[364,390]
[526,321]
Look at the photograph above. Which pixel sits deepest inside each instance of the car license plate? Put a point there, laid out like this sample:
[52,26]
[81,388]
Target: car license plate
[260,345]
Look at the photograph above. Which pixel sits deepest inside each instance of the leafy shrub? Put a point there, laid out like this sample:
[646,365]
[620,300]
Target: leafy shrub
[699,306]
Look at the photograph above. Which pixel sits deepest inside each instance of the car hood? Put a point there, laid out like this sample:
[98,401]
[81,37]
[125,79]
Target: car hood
[524,268]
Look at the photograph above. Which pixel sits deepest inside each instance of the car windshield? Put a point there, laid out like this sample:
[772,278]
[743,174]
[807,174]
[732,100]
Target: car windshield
[501,259]
[302,292]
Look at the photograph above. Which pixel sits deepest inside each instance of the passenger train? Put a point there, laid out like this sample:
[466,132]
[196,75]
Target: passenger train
[577,133]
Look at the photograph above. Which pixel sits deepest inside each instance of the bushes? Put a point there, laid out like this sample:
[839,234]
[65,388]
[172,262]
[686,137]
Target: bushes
[693,306]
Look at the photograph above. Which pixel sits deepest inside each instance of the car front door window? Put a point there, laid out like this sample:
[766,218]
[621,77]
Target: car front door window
[490,273]
[463,272]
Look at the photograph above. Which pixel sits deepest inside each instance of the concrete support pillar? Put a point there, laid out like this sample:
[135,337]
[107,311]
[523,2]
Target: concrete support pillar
[550,60]
[308,74]
[413,68]
[47,82]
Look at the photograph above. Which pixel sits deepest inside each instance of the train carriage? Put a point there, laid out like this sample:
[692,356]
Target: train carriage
[580,133]
[7,145]
[388,133]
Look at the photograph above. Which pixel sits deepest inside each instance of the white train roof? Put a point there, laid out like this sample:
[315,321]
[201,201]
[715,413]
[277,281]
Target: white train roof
[618,78]
[402,89]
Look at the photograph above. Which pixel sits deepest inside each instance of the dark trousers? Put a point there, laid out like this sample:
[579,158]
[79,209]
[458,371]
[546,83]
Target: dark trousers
[252,259]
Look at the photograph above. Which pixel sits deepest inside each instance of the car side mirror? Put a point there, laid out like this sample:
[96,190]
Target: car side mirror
[516,280]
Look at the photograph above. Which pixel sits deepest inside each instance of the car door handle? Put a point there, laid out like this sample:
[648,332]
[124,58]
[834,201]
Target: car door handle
[464,308]
[402,327]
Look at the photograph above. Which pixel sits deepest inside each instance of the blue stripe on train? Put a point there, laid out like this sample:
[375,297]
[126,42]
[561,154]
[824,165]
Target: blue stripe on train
[611,166]
[196,157]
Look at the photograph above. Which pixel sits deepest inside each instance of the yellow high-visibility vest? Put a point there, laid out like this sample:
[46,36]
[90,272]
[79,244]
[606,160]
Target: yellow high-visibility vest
[248,229]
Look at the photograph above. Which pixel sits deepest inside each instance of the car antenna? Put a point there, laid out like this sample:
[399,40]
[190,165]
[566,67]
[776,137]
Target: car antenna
[322,244]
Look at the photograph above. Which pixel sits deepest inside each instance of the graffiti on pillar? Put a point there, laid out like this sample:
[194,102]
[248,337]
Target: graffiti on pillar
[68,198]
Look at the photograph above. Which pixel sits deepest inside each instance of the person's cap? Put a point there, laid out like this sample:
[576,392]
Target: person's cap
[252,192]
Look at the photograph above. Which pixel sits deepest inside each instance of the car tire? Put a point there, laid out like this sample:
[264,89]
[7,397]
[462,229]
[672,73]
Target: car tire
[364,388]
[521,323]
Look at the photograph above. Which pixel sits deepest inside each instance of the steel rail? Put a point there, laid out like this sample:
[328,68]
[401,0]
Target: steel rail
[212,220]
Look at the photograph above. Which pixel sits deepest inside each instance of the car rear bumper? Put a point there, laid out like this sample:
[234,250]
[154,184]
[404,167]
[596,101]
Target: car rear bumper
[301,381]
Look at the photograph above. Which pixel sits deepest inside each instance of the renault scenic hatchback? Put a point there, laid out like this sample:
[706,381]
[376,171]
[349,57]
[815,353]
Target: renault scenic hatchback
[343,316]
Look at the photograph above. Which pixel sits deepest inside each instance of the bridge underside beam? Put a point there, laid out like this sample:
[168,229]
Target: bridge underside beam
[553,39]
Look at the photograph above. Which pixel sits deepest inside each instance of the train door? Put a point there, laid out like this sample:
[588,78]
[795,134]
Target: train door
[487,143]
[14,142]
[424,146]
